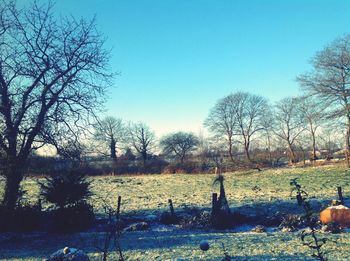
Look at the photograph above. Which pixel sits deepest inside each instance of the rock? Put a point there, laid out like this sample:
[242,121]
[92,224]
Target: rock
[339,214]
[286,229]
[259,229]
[140,226]
[335,202]
[69,254]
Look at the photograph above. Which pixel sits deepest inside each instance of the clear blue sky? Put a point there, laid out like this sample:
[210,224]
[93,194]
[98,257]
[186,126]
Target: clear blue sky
[176,58]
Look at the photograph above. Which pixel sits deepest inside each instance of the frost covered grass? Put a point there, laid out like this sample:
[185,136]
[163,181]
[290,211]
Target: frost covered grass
[183,245]
[262,192]
[151,192]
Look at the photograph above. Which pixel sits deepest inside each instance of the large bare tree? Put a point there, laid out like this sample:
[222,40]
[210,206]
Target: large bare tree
[142,139]
[180,144]
[289,123]
[329,81]
[111,131]
[250,111]
[314,117]
[238,114]
[222,122]
[53,74]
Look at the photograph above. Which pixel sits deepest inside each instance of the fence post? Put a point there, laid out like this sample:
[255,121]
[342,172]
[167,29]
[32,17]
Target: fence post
[340,195]
[118,207]
[171,207]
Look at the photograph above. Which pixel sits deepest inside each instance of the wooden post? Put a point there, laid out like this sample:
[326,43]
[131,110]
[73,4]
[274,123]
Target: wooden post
[171,207]
[118,207]
[340,195]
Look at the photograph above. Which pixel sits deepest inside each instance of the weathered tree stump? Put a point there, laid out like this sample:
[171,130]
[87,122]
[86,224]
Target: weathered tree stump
[221,213]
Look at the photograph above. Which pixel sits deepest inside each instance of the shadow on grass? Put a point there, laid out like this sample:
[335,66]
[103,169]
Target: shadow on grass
[38,245]
[184,243]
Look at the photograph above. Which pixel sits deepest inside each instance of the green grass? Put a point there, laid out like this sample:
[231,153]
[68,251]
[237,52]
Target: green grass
[147,194]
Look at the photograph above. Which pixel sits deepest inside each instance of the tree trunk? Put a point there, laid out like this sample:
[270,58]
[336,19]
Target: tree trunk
[247,153]
[13,175]
[304,155]
[314,156]
[144,158]
[269,149]
[230,149]
[182,159]
[347,144]
[291,153]
[246,148]
[113,151]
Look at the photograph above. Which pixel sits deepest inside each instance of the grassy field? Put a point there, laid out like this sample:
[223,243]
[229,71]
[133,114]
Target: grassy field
[148,194]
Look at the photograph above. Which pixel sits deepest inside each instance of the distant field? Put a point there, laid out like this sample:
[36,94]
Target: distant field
[148,194]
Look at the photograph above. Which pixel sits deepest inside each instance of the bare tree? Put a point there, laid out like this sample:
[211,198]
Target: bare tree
[221,121]
[267,134]
[142,139]
[238,114]
[180,144]
[111,131]
[53,74]
[289,124]
[250,111]
[330,137]
[329,81]
[314,117]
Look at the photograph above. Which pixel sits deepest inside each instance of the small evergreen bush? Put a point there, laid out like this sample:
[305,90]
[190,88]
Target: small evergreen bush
[69,192]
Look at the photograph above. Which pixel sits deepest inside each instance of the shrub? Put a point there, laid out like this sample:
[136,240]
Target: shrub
[201,219]
[22,218]
[73,218]
[167,218]
[65,190]
[292,222]
[69,193]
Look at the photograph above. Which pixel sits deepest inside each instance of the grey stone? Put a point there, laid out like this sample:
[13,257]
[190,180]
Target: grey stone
[140,226]
[259,229]
[69,254]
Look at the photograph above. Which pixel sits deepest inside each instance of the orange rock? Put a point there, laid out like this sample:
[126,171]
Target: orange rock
[339,214]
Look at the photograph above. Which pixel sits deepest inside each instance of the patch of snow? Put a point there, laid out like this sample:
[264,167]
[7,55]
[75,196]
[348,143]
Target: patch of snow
[163,228]
[338,207]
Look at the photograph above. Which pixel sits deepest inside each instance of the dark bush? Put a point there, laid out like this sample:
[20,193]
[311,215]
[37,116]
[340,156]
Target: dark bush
[22,218]
[167,218]
[73,218]
[239,219]
[185,167]
[69,193]
[65,190]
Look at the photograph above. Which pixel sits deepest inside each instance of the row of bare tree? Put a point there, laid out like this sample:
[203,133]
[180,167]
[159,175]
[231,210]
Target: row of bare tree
[238,122]
[138,138]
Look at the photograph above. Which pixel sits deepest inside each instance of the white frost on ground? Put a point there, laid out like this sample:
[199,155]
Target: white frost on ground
[338,207]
